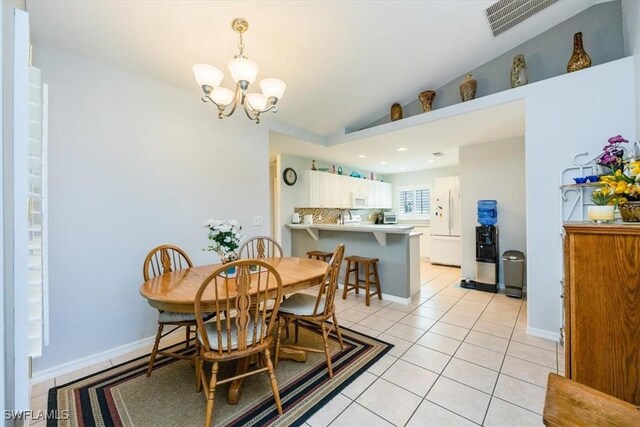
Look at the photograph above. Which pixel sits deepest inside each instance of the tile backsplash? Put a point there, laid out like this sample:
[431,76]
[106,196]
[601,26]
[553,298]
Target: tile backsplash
[330,216]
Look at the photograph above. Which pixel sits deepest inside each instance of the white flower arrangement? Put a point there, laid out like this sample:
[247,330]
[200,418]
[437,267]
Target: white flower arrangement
[225,238]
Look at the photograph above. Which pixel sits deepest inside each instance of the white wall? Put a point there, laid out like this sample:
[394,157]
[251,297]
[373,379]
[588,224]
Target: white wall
[493,170]
[291,195]
[631,31]
[134,163]
[426,177]
[565,116]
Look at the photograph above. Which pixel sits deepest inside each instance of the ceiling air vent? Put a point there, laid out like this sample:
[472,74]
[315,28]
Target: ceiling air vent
[506,14]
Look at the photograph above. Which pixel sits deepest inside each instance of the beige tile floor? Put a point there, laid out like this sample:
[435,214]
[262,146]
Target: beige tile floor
[460,358]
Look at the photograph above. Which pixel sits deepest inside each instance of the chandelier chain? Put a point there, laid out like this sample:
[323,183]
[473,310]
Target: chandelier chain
[241,45]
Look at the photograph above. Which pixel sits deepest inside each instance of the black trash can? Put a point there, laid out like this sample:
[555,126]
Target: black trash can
[513,263]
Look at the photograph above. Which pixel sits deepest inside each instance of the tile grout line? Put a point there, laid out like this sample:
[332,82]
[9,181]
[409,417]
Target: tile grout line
[501,365]
[451,358]
[399,357]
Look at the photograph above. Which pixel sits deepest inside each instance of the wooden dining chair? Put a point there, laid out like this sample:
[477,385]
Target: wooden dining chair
[161,260]
[260,247]
[247,333]
[314,310]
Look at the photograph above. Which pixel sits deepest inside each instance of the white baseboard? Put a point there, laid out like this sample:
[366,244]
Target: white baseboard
[388,297]
[65,368]
[543,333]
[394,298]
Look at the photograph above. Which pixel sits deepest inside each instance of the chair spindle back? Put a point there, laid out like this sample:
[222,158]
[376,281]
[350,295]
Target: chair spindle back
[330,284]
[260,247]
[247,296]
[164,259]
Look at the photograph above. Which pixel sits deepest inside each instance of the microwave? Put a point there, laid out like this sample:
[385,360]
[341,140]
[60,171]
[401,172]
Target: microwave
[389,218]
[359,201]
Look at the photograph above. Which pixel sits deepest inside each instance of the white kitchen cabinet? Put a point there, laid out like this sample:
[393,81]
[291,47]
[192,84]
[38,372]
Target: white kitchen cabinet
[386,201]
[326,190]
[425,241]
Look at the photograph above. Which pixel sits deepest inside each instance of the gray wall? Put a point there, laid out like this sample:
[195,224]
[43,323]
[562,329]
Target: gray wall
[546,56]
[393,268]
[631,24]
[427,177]
[495,171]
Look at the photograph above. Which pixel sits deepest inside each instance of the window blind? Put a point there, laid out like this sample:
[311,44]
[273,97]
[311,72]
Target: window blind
[415,201]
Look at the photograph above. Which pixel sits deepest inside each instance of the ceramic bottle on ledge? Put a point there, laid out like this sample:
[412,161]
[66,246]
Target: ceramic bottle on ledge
[396,112]
[519,76]
[468,88]
[579,59]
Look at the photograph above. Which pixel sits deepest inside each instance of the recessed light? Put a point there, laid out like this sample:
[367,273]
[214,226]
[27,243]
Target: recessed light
[383,163]
[430,160]
[362,156]
[402,149]
[402,168]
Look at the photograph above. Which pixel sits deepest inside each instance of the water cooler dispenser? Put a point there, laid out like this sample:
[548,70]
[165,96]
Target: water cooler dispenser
[487,252]
[487,257]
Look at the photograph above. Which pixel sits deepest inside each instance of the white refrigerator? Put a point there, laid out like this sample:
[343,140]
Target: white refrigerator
[445,226]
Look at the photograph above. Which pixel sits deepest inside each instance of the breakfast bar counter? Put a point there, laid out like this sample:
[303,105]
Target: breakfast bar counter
[396,246]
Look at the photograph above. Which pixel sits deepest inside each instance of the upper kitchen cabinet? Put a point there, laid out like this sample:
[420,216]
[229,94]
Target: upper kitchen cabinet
[380,194]
[326,190]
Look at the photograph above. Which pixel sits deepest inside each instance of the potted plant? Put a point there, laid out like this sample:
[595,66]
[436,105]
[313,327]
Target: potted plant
[622,184]
[225,239]
[603,209]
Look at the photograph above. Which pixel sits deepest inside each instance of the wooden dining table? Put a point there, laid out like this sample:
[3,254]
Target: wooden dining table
[176,291]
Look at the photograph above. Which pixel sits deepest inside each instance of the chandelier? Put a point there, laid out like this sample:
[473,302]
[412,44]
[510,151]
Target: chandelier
[244,72]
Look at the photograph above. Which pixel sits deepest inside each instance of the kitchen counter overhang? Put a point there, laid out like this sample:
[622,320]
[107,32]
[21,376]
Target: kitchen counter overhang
[380,231]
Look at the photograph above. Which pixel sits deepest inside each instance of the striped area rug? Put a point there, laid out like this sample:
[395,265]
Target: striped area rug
[124,396]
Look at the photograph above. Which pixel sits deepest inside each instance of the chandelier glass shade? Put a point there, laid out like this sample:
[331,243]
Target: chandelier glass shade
[243,72]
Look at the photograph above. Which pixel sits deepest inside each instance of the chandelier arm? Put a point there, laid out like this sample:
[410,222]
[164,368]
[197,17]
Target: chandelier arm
[222,109]
[248,110]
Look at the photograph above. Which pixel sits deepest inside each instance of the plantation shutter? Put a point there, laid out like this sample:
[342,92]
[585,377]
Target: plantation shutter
[423,201]
[406,202]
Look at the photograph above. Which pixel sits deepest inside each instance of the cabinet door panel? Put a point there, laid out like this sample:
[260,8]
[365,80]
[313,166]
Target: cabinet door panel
[605,313]
[315,189]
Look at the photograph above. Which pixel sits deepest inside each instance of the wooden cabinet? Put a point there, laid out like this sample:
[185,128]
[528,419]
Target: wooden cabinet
[602,307]
[326,190]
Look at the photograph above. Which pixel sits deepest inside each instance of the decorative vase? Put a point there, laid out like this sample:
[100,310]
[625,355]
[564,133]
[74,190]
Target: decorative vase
[579,59]
[601,213]
[519,75]
[630,211]
[226,259]
[396,112]
[468,88]
[426,99]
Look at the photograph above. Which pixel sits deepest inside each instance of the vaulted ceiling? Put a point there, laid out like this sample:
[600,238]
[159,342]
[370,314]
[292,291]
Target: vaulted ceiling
[344,62]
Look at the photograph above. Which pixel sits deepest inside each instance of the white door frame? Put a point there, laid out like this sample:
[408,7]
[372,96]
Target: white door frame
[20,212]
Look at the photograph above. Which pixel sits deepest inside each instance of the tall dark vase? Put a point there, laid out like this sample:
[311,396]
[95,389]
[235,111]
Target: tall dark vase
[579,59]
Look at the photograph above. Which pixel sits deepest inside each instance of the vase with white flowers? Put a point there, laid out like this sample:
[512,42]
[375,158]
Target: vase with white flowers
[225,238]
